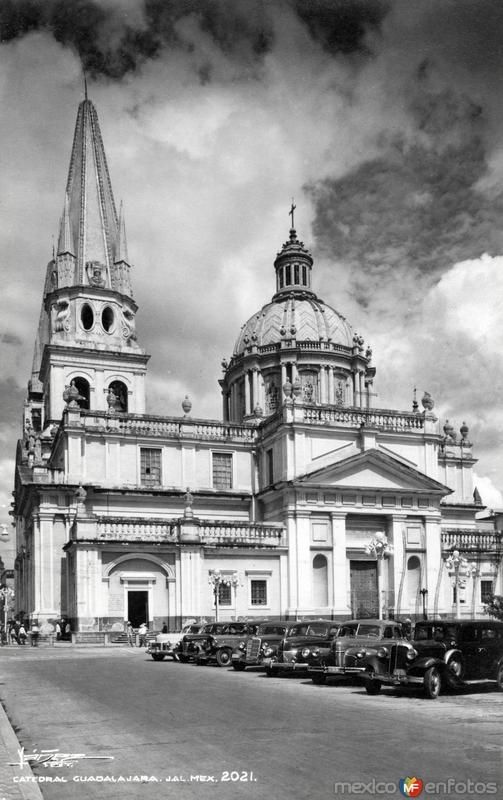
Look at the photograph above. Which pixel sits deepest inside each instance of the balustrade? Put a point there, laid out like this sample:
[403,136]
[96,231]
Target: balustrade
[464,541]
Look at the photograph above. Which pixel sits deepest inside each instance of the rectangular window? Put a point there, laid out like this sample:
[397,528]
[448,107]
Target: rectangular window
[296,272]
[258,590]
[150,463]
[222,470]
[486,591]
[224,595]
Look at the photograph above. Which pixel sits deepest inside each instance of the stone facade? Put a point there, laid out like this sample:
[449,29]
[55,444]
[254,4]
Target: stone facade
[306,499]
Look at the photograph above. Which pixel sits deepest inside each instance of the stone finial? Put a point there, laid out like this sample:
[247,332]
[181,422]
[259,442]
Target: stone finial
[297,388]
[449,431]
[258,411]
[113,401]
[464,431]
[225,364]
[80,496]
[415,405]
[427,401]
[287,389]
[71,395]
[186,405]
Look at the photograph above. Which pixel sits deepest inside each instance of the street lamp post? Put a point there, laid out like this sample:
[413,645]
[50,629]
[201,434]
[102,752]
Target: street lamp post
[459,569]
[424,592]
[216,579]
[7,594]
[379,547]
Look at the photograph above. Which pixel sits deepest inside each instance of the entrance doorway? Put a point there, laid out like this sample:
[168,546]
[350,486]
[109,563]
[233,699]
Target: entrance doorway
[364,590]
[137,607]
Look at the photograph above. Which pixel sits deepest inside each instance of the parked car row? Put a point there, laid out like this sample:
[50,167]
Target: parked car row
[442,653]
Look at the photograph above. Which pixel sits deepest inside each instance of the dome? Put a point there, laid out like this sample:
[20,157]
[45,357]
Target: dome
[304,319]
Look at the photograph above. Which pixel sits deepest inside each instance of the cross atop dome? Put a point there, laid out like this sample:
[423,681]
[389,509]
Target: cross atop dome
[293,265]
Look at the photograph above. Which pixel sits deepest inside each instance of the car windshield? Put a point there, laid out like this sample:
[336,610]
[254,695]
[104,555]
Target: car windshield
[347,630]
[271,630]
[309,629]
[437,632]
[373,631]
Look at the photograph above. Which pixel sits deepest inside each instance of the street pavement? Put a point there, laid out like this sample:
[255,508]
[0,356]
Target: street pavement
[166,730]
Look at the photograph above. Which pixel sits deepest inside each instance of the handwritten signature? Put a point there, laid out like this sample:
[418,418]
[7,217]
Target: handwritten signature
[53,758]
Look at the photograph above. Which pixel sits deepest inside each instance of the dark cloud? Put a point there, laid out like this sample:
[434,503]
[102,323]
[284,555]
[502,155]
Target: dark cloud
[112,42]
[416,209]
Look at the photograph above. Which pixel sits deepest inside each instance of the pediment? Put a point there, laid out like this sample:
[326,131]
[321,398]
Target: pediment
[373,469]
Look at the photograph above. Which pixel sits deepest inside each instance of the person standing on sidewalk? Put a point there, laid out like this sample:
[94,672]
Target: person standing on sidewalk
[34,634]
[142,631]
[130,633]
[21,635]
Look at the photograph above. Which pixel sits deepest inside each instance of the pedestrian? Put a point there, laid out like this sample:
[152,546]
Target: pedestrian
[58,632]
[34,634]
[164,628]
[12,636]
[142,632]
[130,633]
[17,625]
[21,634]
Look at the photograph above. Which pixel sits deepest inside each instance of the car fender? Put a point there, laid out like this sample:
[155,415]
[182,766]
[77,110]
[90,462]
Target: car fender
[454,651]
[420,665]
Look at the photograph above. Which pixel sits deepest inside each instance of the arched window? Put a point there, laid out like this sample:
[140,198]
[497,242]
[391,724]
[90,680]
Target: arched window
[117,396]
[320,581]
[107,319]
[413,580]
[83,388]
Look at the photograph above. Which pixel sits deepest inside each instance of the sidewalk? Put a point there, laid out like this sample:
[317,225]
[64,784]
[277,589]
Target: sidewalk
[9,766]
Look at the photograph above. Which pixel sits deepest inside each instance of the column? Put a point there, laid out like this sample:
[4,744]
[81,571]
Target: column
[295,371]
[284,376]
[331,389]
[255,398]
[192,582]
[225,406]
[360,389]
[304,569]
[397,564]
[434,567]
[340,602]
[247,393]
[323,383]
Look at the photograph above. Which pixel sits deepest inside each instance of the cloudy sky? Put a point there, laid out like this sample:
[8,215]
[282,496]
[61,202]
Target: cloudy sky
[383,119]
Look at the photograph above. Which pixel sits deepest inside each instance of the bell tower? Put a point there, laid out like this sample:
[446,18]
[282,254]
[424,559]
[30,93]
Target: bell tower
[86,346]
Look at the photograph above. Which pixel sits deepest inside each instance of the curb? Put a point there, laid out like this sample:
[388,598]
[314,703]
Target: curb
[9,752]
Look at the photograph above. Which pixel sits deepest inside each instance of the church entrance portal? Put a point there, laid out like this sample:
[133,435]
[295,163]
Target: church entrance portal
[137,607]
[364,591]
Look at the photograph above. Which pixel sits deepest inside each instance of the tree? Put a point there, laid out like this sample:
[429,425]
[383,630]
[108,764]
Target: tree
[494,607]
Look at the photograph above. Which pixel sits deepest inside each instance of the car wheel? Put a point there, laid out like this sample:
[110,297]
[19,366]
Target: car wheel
[455,669]
[223,657]
[183,659]
[432,683]
[319,678]
[238,666]
[499,677]
[157,657]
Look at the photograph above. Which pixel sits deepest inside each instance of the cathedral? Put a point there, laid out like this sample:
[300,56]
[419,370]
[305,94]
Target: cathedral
[303,500]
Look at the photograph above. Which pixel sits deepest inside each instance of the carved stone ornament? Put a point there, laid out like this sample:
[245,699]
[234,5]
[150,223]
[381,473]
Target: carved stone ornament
[71,396]
[297,388]
[95,273]
[287,389]
[113,401]
[186,406]
[427,401]
[80,495]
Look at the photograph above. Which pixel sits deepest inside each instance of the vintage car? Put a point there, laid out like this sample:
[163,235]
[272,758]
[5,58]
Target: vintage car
[165,644]
[214,642]
[295,649]
[344,654]
[251,651]
[443,653]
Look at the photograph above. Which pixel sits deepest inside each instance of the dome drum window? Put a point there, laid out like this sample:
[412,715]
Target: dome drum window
[87,317]
[107,319]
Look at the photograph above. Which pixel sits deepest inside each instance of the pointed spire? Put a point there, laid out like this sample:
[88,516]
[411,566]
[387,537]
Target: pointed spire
[97,237]
[65,241]
[121,253]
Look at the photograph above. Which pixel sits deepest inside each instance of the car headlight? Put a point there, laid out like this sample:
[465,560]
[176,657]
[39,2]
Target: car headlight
[242,645]
[361,653]
[305,652]
[383,652]
[315,652]
[412,654]
[268,652]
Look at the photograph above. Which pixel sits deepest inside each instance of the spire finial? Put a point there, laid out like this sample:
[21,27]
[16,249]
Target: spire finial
[290,213]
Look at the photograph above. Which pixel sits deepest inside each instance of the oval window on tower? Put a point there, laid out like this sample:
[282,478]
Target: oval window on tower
[107,319]
[87,317]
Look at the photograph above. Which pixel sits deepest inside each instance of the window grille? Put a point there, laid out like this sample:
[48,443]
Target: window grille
[150,460]
[222,470]
[258,593]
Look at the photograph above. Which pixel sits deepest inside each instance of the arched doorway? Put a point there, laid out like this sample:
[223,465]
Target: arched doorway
[84,391]
[117,397]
